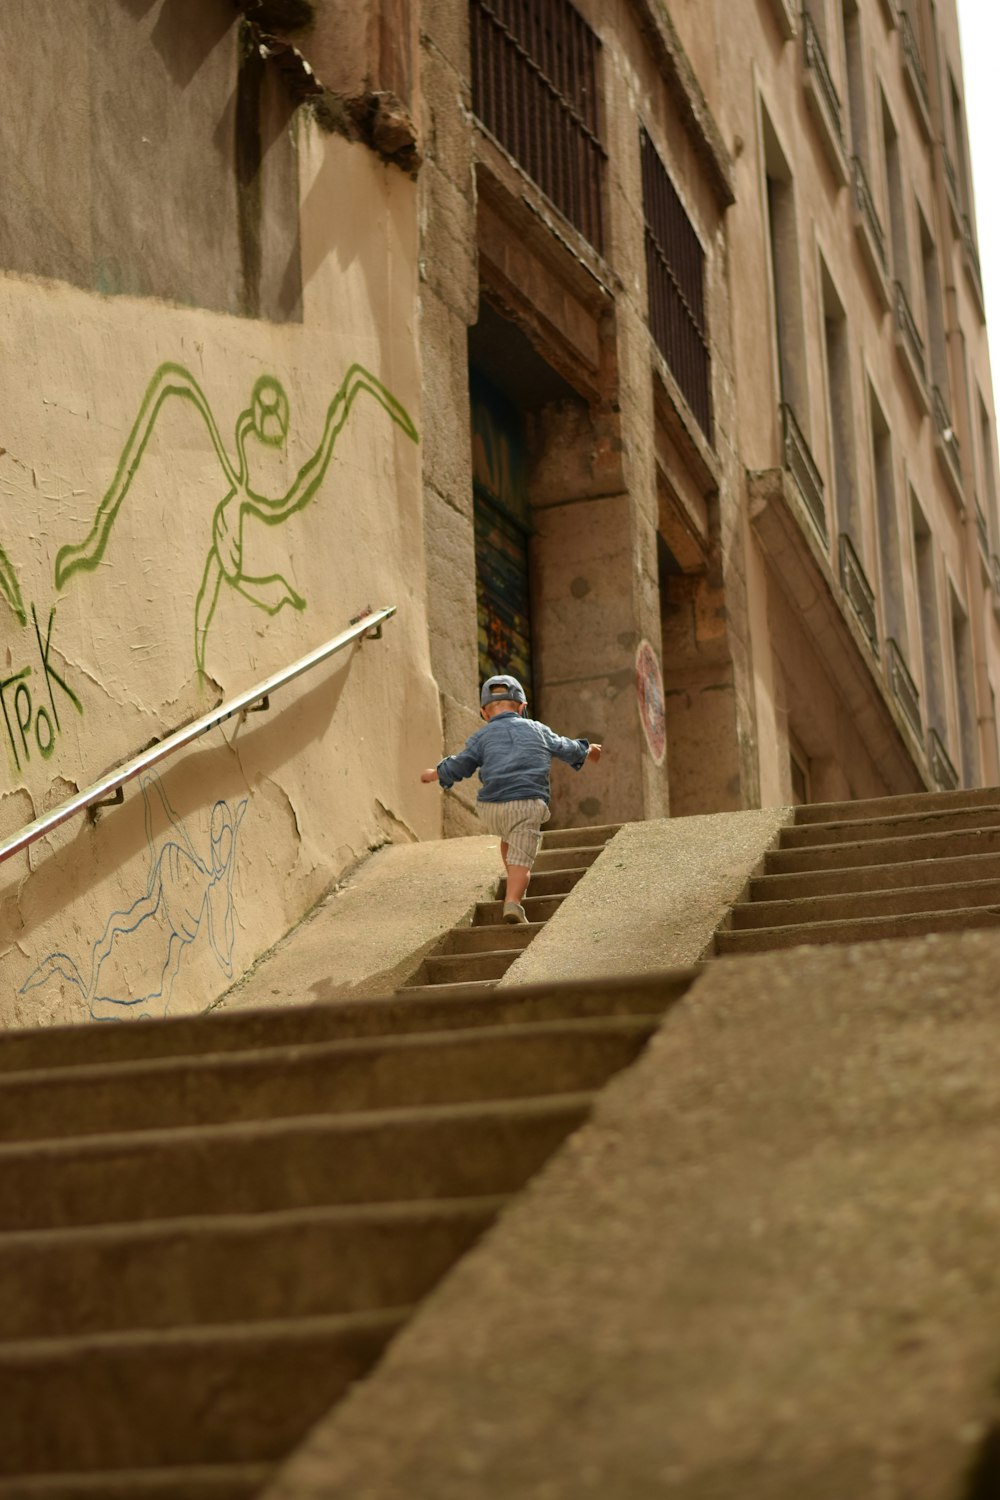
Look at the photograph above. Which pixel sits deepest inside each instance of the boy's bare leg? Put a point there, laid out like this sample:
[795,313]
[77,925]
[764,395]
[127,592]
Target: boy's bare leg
[517,882]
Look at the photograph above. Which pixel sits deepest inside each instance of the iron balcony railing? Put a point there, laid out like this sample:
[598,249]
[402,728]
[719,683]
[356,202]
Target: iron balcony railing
[972,258]
[801,465]
[904,689]
[982,532]
[869,214]
[951,178]
[858,590]
[110,788]
[535,87]
[906,323]
[944,773]
[915,64]
[675,274]
[946,432]
[815,59]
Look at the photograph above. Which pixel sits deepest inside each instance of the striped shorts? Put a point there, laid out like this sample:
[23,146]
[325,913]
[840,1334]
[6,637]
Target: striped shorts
[519,824]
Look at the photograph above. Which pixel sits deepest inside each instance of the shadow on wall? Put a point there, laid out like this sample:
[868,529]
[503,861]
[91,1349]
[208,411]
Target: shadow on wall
[265,749]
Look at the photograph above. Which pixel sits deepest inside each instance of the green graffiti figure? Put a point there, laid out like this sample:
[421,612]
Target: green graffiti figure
[11,588]
[267,419]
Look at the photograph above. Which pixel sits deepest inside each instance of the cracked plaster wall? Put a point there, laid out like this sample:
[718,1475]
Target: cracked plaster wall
[158,904]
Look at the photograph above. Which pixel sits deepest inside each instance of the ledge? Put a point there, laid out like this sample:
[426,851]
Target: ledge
[802,571]
[680,422]
[685,90]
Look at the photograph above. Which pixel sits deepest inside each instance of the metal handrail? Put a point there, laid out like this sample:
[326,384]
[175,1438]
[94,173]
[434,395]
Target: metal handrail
[112,784]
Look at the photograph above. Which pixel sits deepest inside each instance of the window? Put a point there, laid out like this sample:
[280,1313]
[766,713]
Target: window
[897,202]
[785,285]
[535,87]
[935,311]
[888,525]
[675,272]
[965,689]
[930,631]
[854,58]
[843,457]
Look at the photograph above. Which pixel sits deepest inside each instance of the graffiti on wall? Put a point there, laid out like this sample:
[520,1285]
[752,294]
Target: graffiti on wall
[29,723]
[266,418]
[188,899]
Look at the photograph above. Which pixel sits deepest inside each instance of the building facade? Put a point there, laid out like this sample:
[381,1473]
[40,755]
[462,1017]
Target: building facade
[636,348]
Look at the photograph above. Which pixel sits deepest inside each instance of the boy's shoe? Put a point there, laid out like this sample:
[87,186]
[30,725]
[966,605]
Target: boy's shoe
[513,911]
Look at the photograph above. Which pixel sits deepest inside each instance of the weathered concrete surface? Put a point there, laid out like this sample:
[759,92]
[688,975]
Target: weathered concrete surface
[766,1268]
[653,899]
[371,932]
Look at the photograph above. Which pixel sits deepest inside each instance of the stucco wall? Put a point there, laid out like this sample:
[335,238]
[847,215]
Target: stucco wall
[145,576]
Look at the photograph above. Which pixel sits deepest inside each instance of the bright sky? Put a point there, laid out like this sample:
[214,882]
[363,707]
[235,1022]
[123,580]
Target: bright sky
[979,24]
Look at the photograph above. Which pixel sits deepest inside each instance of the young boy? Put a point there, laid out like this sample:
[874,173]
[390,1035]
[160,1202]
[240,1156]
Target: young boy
[512,755]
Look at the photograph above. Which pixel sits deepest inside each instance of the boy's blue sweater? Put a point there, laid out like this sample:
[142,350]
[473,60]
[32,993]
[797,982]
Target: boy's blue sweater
[512,756]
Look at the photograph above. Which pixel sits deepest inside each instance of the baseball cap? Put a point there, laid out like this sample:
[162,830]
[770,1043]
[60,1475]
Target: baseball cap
[501,690]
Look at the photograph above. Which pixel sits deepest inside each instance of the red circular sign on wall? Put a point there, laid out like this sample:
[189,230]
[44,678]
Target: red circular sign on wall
[649,687]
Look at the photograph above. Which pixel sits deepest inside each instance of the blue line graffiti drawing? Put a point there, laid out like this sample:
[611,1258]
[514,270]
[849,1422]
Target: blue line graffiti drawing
[135,960]
[266,418]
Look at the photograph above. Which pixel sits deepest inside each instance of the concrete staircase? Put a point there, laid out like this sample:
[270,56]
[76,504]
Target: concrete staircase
[892,867]
[210,1227]
[481,953]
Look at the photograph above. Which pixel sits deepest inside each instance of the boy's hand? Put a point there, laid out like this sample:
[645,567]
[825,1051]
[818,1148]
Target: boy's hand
[594,753]
[430,774]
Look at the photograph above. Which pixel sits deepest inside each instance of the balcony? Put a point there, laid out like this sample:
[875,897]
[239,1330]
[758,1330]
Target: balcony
[954,192]
[904,689]
[858,590]
[916,76]
[870,232]
[947,446]
[823,99]
[983,536]
[973,270]
[910,346]
[942,770]
[801,465]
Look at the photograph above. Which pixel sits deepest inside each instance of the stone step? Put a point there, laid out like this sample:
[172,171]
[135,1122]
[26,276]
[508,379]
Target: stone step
[891,807]
[449,1151]
[226,1031]
[883,851]
[580,838]
[489,938]
[423,991]
[231,1268]
[893,902]
[536,909]
[196,1482]
[565,857]
[506,1062]
[214,1395]
[546,882]
[864,929]
[933,820]
[460,968]
[563,1000]
[962,869]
